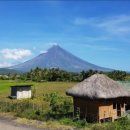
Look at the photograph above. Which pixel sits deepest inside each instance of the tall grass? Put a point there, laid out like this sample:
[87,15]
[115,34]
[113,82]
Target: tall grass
[38,108]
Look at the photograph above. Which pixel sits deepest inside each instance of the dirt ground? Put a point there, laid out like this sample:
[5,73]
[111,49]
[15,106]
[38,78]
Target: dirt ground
[10,125]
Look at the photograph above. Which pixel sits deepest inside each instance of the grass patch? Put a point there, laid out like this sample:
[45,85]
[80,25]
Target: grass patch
[38,108]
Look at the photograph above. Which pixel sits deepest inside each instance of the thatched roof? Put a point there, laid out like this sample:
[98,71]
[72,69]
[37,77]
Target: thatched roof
[98,86]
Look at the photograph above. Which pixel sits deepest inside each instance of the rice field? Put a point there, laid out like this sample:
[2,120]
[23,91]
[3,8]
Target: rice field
[41,88]
[44,87]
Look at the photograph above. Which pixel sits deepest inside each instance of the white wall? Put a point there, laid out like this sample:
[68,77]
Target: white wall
[23,93]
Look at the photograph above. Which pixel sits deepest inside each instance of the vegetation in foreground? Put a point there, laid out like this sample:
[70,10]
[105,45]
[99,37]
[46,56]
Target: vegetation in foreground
[50,104]
[60,112]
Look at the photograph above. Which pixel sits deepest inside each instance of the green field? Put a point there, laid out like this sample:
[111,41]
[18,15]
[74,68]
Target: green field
[44,87]
[41,88]
[37,103]
[42,107]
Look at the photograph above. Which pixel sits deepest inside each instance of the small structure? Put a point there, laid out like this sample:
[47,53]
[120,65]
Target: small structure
[99,98]
[21,91]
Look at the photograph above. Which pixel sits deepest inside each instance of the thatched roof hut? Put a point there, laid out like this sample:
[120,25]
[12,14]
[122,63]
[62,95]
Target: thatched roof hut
[98,86]
[99,98]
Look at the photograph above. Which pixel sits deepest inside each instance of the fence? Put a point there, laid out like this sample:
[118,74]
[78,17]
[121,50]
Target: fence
[31,110]
[15,106]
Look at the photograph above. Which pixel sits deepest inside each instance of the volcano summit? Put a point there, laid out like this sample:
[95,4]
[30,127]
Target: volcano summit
[57,57]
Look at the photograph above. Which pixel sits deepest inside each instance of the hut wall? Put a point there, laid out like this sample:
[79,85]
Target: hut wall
[123,110]
[23,92]
[13,91]
[120,103]
[88,109]
[128,103]
[107,109]
[100,110]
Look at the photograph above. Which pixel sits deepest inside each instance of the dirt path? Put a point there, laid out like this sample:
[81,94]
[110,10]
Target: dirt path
[10,125]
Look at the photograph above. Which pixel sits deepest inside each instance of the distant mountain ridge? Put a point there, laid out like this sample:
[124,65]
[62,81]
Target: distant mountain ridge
[57,57]
[6,71]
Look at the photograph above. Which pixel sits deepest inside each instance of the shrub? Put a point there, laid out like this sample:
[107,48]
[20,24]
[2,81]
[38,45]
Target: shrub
[75,123]
[124,123]
[59,106]
[98,127]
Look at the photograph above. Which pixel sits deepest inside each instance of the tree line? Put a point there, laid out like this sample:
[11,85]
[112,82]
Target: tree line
[56,74]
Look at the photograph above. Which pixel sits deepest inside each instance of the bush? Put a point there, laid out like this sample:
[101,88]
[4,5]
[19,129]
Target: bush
[75,123]
[98,127]
[59,106]
[121,124]
[124,123]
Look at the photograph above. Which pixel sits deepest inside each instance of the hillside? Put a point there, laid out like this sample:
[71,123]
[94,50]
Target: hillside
[6,71]
[57,57]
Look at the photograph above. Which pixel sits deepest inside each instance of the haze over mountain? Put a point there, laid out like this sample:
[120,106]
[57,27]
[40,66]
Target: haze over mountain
[57,57]
[7,71]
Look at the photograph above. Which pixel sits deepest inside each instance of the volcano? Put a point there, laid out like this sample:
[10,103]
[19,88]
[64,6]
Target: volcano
[57,57]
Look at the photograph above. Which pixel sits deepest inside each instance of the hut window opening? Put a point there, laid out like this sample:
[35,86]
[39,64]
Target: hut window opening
[118,110]
[122,105]
[114,105]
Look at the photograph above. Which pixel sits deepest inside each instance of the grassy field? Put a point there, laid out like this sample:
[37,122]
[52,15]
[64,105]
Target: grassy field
[41,88]
[46,88]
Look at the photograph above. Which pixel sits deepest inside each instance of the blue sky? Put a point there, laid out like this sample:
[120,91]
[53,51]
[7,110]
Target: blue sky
[98,32]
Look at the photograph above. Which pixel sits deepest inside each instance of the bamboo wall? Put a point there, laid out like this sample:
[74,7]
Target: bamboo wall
[88,109]
[106,109]
[99,109]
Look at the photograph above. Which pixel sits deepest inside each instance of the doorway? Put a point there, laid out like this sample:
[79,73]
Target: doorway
[118,110]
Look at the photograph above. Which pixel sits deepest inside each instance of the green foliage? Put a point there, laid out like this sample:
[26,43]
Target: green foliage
[76,123]
[59,106]
[54,103]
[77,114]
[99,127]
[40,109]
[117,75]
[86,74]
[124,123]
[55,74]
[127,77]
[61,75]
[23,108]
[121,124]
[33,93]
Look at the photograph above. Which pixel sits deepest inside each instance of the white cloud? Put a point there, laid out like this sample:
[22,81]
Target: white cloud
[50,44]
[55,43]
[43,52]
[119,25]
[85,21]
[5,64]
[93,39]
[102,48]
[15,54]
